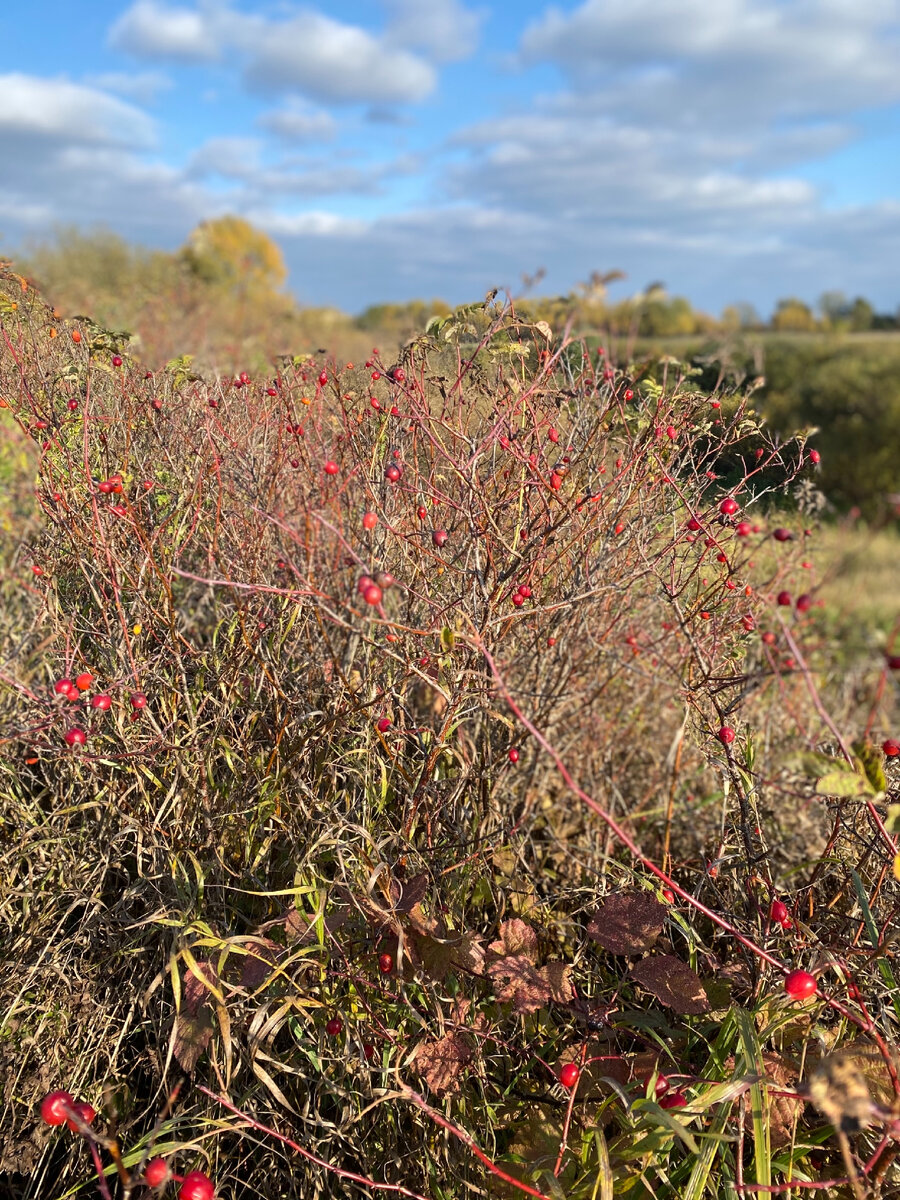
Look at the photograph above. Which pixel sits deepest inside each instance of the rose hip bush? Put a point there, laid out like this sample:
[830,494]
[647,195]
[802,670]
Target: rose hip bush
[443,736]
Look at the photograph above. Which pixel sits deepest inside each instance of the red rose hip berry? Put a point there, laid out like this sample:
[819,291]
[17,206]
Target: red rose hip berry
[800,985]
[156,1172]
[54,1108]
[196,1186]
[568,1075]
[84,1110]
[334,1027]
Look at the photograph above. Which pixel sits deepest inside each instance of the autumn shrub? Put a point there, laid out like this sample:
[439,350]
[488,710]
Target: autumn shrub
[439,731]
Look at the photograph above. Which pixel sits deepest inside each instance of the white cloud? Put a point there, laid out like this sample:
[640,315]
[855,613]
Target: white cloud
[299,123]
[444,29]
[328,60]
[693,62]
[152,30]
[230,157]
[307,53]
[57,109]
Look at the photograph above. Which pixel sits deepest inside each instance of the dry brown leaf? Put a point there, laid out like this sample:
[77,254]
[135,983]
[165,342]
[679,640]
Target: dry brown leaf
[628,923]
[672,982]
[453,953]
[530,987]
[194,1023]
[405,895]
[258,962]
[298,927]
[442,1062]
[516,938]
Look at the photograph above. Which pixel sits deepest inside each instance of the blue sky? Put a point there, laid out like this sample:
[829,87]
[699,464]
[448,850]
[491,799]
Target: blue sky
[738,150]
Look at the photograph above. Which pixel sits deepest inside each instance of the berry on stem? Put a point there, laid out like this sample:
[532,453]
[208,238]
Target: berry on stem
[726,735]
[75,737]
[800,985]
[568,1075]
[156,1172]
[335,1027]
[84,1110]
[55,1106]
[196,1186]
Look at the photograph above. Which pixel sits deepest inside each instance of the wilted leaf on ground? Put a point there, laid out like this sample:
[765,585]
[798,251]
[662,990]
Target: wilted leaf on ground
[672,982]
[438,950]
[628,923]
[298,927]
[516,938]
[406,894]
[194,1023]
[442,1062]
[529,987]
[258,962]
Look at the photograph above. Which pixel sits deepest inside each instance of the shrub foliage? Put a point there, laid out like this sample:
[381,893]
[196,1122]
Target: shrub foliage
[469,751]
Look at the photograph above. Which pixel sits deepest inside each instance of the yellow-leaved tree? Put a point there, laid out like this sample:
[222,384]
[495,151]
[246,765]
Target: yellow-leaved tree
[230,253]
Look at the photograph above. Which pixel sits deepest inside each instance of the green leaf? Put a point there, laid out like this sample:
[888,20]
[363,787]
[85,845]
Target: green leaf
[845,784]
[869,759]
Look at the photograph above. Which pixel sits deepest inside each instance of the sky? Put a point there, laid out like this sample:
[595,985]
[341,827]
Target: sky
[736,150]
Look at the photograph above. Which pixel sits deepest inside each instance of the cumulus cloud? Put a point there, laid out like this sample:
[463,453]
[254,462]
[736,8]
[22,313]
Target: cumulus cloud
[445,29]
[57,110]
[299,123]
[152,30]
[695,62]
[331,61]
[307,52]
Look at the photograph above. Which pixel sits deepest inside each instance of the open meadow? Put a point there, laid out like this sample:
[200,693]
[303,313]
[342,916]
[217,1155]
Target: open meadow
[467,771]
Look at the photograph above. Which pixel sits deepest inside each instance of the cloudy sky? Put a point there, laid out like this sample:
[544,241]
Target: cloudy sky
[734,149]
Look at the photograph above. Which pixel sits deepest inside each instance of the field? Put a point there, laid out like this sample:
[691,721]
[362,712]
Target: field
[474,773]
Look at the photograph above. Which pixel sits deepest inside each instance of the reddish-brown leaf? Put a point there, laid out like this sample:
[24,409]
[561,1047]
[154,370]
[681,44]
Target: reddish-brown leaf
[406,894]
[516,938]
[628,923]
[442,1062]
[258,962]
[194,1023]
[672,982]
[529,987]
